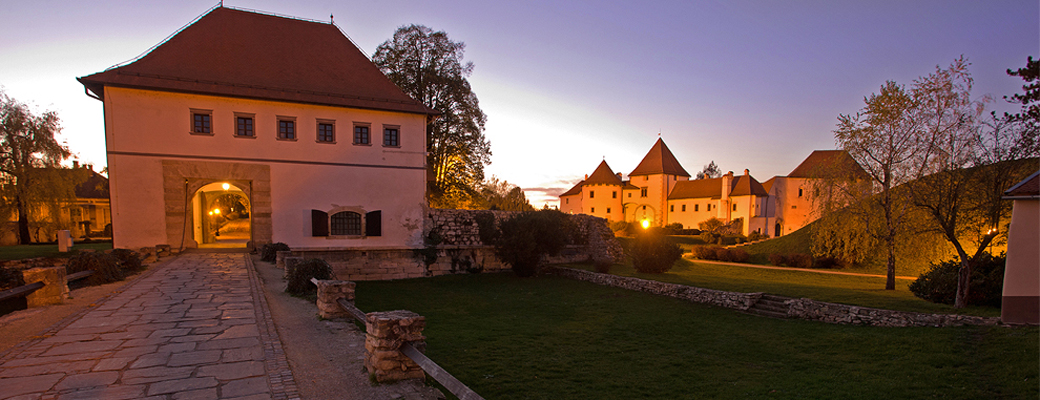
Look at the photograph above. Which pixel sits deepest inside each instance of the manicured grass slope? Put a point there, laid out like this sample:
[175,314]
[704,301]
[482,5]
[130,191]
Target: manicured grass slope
[552,338]
[20,252]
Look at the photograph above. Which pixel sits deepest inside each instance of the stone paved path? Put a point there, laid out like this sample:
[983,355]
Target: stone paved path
[194,327]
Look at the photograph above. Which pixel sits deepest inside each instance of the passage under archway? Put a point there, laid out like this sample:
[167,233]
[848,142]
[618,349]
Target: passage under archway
[221,216]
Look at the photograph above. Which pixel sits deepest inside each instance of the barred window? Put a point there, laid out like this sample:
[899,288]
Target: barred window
[201,122]
[286,129]
[244,126]
[326,132]
[391,137]
[346,223]
[361,134]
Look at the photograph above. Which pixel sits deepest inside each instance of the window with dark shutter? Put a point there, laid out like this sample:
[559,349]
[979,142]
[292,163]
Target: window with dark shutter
[374,223]
[319,223]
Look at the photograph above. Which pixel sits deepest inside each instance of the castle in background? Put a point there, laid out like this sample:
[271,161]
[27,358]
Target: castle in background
[660,192]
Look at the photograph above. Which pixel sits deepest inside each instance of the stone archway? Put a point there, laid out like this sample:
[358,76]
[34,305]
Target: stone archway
[221,217]
[182,179]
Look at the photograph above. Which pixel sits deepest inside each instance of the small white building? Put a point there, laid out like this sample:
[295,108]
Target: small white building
[1020,303]
[245,128]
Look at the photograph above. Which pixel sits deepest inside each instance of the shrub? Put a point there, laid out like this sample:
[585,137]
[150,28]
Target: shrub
[300,278]
[799,260]
[129,260]
[10,278]
[269,252]
[654,253]
[709,237]
[828,262]
[756,236]
[706,252]
[486,227]
[106,267]
[777,259]
[531,235]
[939,284]
[731,255]
[673,228]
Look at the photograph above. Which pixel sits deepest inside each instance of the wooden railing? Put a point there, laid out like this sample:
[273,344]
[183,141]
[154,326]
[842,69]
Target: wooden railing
[435,371]
[25,290]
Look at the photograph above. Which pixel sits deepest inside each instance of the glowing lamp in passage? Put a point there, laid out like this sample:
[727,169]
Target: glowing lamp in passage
[226,186]
[646,224]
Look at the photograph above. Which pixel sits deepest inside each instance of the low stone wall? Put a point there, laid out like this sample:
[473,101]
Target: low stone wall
[807,309]
[739,301]
[853,315]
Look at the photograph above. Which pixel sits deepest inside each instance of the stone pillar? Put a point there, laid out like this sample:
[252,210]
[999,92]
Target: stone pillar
[64,241]
[290,265]
[55,290]
[329,291]
[386,332]
[279,258]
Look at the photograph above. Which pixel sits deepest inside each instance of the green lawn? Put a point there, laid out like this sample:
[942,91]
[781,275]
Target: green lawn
[845,289]
[20,252]
[553,338]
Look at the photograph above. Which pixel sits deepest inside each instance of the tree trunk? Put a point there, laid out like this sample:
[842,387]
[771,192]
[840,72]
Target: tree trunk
[23,222]
[890,280]
[963,285]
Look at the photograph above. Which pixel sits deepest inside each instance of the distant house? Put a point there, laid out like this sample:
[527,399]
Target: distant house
[245,128]
[1021,298]
[86,216]
[660,192]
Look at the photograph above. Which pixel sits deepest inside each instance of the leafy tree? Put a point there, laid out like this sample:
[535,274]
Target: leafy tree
[31,179]
[1030,100]
[429,66]
[501,195]
[710,171]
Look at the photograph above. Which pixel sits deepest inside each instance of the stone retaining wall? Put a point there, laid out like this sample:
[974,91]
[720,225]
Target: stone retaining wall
[854,315]
[739,301]
[807,309]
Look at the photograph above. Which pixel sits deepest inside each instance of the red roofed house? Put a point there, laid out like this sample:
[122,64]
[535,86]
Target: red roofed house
[1021,299]
[245,128]
[659,191]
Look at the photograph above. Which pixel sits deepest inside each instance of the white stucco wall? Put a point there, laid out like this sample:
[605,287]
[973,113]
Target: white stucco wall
[145,127]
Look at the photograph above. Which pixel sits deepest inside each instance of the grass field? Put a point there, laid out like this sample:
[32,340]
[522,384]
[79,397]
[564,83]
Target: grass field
[855,290]
[20,252]
[552,338]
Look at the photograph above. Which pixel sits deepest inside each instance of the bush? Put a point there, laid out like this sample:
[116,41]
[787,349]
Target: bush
[486,227]
[129,260]
[673,228]
[709,237]
[829,262]
[300,278]
[777,259]
[269,252]
[531,235]
[106,267]
[799,260]
[654,253]
[10,278]
[706,252]
[756,236]
[602,265]
[731,255]
[939,284]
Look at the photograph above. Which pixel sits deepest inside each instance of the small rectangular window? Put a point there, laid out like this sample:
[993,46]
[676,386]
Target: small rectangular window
[671,208]
[326,132]
[201,122]
[286,128]
[391,136]
[734,207]
[696,207]
[613,195]
[608,210]
[592,194]
[799,192]
[361,134]
[592,210]
[684,207]
[244,125]
[642,192]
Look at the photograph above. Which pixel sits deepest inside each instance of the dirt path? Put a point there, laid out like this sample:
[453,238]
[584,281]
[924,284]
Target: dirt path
[793,269]
[326,356]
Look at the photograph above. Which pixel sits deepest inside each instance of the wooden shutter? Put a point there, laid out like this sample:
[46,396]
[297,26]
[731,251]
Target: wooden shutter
[374,223]
[319,223]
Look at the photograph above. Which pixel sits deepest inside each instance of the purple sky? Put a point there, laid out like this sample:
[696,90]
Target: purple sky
[748,84]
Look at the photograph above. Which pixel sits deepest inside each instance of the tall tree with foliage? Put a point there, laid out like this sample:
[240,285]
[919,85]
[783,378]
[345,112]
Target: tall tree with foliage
[972,162]
[429,66]
[502,195]
[886,139]
[1030,98]
[30,158]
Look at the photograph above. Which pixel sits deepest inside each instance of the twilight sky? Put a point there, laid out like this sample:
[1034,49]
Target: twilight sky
[748,84]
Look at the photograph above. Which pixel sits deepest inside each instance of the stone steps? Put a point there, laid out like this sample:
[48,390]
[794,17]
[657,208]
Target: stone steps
[770,306]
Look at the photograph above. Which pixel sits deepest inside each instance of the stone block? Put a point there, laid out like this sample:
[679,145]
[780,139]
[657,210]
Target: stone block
[329,293]
[55,289]
[279,257]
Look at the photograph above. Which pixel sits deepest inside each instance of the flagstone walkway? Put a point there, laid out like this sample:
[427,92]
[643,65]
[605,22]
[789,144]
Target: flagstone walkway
[194,327]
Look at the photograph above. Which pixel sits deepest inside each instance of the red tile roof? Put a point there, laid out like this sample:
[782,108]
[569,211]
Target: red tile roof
[745,185]
[229,52]
[603,175]
[1029,187]
[710,188]
[576,190]
[659,161]
[828,163]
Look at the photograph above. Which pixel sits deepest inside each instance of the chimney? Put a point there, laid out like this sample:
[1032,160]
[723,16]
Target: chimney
[619,175]
[586,176]
[75,163]
[89,166]
[746,172]
[727,182]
